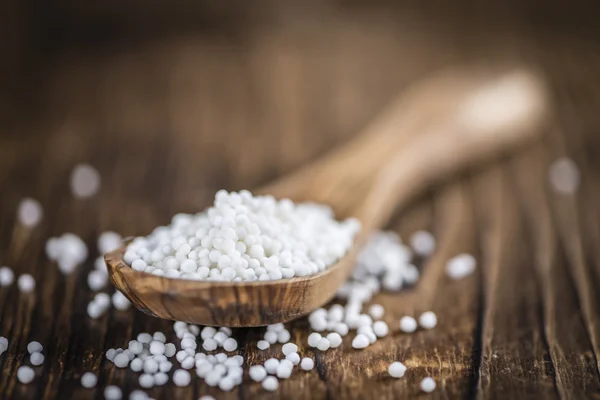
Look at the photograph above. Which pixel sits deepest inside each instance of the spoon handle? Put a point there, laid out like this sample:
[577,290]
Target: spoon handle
[497,117]
[434,129]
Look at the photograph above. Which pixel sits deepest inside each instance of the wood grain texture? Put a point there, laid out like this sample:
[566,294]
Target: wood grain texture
[169,113]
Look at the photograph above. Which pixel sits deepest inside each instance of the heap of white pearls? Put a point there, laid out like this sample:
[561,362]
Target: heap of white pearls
[245,238]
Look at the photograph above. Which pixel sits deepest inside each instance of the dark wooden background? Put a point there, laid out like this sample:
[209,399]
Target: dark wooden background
[173,102]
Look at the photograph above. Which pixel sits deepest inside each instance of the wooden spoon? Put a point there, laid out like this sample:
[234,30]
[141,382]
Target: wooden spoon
[434,129]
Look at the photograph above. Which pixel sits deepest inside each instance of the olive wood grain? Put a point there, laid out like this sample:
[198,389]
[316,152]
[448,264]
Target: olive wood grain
[435,128]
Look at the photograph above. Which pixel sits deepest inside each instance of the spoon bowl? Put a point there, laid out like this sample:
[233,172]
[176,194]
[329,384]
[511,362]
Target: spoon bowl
[232,304]
[434,129]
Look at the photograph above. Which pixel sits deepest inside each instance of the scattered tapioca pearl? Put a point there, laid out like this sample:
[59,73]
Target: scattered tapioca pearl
[7,277]
[121,360]
[68,251]
[428,320]
[376,311]
[112,392]
[230,344]
[159,337]
[367,330]
[120,302]
[318,321]
[323,344]
[284,371]
[360,341]
[165,366]
[270,383]
[271,365]
[307,364]
[212,378]
[138,395]
[423,243]
[226,330]
[89,380]
[136,365]
[98,306]
[26,283]
[150,366]
[29,212]
[34,347]
[209,344]
[334,339]
[97,280]
[170,350]
[135,346]
[396,369]
[428,385]
[161,379]
[188,363]
[146,381]
[313,339]
[335,313]
[286,364]
[263,344]
[220,337]
[203,368]
[157,347]
[109,241]
[181,355]
[408,324]
[221,357]
[271,337]
[341,328]
[100,264]
[25,374]
[284,336]
[289,348]
[36,359]
[84,180]
[226,384]
[102,299]
[238,359]
[276,327]
[380,329]
[257,373]
[144,338]
[3,344]
[293,357]
[208,332]
[564,176]
[181,378]
[110,354]
[460,266]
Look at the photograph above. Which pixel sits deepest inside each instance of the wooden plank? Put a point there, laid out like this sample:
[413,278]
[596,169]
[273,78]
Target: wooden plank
[514,361]
[570,349]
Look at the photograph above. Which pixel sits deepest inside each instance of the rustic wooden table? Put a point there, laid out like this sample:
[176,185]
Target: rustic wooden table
[169,119]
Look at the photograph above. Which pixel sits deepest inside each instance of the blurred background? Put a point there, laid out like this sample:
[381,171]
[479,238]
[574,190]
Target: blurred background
[172,101]
[232,94]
